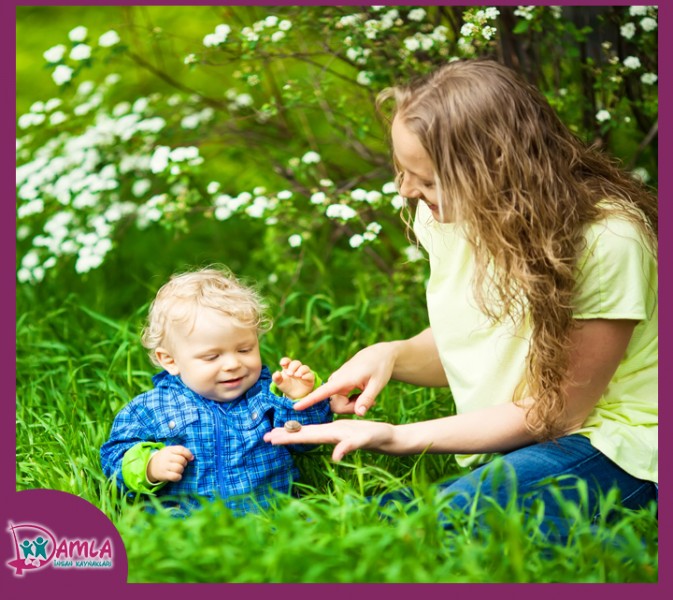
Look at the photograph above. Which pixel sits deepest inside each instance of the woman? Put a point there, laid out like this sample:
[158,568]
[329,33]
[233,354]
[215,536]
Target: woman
[542,299]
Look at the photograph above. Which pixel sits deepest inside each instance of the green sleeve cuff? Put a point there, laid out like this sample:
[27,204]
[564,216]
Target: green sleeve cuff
[275,390]
[134,467]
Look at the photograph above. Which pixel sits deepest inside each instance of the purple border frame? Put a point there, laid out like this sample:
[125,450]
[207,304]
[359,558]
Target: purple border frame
[24,506]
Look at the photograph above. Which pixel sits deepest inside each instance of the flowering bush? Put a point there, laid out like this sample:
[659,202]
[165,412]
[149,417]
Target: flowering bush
[271,121]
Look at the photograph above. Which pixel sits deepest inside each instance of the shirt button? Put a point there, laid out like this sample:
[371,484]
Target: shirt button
[171,424]
[254,415]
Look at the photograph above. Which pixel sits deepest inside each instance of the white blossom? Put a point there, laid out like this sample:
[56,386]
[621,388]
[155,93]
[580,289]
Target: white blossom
[222,213]
[310,158]
[85,199]
[602,115]
[641,174]
[223,30]
[78,34]
[259,206]
[211,40]
[356,241]
[22,232]
[374,227]
[648,24]
[488,32]
[62,74]
[638,11]
[416,14]
[284,195]
[159,160]
[109,38]
[80,52]
[30,119]
[364,78]
[389,188]
[412,44]
[318,198]
[359,194]
[184,153]
[85,88]
[340,211]
[285,25]
[468,30]
[190,121]
[628,30]
[525,11]
[244,100]
[30,260]
[349,21]
[397,202]
[295,240]
[632,62]
[24,275]
[140,187]
[413,253]
[276,36]
[52,104]
[87,261]
[56,118]
[55,53]
[373,196]
[648,78]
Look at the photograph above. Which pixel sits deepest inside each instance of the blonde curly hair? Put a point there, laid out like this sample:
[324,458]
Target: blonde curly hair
[526,188]
[213,287]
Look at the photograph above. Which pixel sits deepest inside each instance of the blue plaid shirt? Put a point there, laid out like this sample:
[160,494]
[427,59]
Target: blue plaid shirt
[230,457]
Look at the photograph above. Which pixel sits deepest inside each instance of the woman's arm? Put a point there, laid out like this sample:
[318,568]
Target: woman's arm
[597,347]
[415,360]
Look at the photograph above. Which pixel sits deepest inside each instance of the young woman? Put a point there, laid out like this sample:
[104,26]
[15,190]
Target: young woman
[542,299]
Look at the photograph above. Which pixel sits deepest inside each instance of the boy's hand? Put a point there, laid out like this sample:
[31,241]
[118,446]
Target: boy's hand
[295,380]
[168,464]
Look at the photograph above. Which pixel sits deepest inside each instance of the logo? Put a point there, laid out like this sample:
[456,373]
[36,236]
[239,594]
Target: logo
[37,547]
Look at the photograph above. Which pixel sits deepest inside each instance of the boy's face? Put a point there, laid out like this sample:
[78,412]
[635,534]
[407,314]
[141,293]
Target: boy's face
[216,357]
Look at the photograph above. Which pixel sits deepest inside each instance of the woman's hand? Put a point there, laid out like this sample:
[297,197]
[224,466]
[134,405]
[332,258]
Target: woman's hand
[414,361]
[346,435]
[369,370]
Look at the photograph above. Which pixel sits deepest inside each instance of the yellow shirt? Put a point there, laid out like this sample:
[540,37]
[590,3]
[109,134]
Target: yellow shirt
[485,362]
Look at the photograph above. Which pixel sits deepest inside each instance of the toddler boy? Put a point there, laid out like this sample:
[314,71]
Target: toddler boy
[199,432]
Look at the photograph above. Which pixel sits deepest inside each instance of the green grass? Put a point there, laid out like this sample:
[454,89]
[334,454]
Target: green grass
[76,367]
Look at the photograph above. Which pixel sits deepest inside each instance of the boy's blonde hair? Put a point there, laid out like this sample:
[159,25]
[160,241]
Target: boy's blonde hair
[213,287]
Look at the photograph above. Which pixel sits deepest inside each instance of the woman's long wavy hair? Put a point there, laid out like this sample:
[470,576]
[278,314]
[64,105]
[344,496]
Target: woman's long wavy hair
[525,188]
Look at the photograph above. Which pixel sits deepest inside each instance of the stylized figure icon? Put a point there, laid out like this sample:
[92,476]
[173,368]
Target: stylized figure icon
[27,548]
[40,547]
[30,553]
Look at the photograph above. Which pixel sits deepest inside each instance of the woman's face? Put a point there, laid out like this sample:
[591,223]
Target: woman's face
[418,174]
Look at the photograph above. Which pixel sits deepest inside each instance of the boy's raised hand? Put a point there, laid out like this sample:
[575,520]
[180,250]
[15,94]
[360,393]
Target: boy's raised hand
[168,464]
[295,379]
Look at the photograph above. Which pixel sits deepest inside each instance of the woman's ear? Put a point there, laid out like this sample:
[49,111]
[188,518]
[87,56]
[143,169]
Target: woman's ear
[166,360]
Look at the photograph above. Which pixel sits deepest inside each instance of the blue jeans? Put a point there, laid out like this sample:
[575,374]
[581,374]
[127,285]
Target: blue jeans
[547,472]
